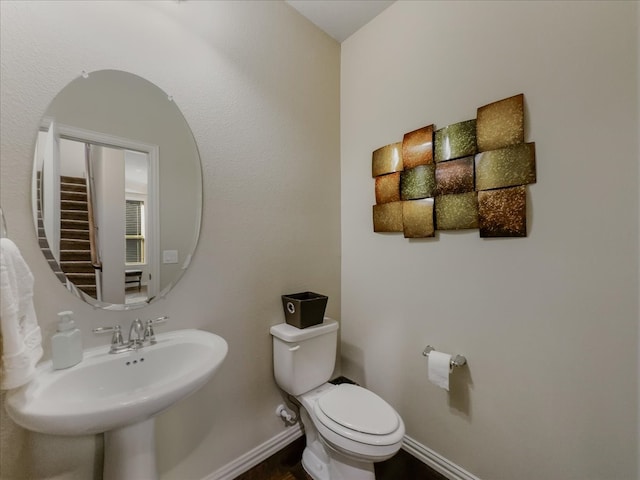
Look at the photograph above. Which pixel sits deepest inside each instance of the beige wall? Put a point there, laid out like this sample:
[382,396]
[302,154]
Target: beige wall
[259,86]
[549,323]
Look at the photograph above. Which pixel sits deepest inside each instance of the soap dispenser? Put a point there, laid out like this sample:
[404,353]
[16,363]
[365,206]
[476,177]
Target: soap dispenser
[66,344]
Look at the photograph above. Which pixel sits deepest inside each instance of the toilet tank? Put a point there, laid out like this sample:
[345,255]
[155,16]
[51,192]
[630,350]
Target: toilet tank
[304,358]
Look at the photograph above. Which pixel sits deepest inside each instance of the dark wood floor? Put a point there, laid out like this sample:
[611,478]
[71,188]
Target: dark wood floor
[286,465]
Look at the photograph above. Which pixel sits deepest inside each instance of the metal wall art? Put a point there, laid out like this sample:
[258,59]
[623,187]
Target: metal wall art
[469,175]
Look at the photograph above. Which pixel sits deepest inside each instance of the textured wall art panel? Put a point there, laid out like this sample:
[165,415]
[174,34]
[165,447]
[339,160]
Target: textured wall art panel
[388,188]
[418,182]
[455,141]
[455,176]
[417,147]
[468,175]
[417,218]
[503,212]
[506,167]
[387,217]
[500,124]
[387,159]
[457,212]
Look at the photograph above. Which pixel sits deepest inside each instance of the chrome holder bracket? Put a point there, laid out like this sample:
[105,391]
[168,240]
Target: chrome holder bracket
[457,361]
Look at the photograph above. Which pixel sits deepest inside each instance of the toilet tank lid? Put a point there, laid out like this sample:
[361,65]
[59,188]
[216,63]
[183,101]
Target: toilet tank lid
[289,333]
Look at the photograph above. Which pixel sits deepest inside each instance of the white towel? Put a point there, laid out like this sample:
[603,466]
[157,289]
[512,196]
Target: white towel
[21,337]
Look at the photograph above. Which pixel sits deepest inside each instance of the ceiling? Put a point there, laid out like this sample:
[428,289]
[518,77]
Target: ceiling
[340,18]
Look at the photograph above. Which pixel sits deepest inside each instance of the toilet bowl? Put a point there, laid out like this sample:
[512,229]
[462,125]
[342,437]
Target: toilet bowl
[347,427]
[354,423]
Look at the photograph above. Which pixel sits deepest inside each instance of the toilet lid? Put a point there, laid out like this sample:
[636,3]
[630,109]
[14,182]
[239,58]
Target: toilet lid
[359,409]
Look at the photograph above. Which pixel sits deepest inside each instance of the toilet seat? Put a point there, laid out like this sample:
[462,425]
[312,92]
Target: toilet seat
[358,414]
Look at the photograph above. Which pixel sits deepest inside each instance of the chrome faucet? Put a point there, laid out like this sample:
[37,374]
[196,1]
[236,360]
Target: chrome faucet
[137,329]
[139,335]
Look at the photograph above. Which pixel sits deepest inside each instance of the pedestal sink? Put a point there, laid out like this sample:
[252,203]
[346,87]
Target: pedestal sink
[119,394]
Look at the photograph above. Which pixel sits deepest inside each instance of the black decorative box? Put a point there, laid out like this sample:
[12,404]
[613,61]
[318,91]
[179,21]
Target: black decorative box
[304,309]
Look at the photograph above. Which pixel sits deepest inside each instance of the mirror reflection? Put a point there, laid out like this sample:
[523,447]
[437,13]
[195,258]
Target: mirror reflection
[117,190]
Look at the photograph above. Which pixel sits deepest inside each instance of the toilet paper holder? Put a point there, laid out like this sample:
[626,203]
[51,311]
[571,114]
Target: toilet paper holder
[456,360]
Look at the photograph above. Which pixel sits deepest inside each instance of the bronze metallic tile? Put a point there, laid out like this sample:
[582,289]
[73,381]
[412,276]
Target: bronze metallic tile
[417,147]
[455,176]
[507,167]
[387,159]
[388,188]
[455,141]
[417,218]
[387,217]
[501,123]
[418,182]
[457,212]
[503,212]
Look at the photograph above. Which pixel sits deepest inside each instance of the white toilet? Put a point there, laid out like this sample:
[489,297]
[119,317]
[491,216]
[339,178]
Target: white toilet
[347,427]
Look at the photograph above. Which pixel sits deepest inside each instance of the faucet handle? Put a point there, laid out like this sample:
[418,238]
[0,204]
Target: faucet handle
[116,339]
[155,321]
[149,334]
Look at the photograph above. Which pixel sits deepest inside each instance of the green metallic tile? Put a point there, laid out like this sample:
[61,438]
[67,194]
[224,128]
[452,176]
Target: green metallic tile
[500,123]
[455,141]
[455,176]
[387,159]
[388,188]
[417,218]
[418,182]
[503,212]
[457,212]
[507,167]
[387,217]
[417,147]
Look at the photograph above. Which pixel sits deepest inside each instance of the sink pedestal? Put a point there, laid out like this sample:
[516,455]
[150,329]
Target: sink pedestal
[129,452]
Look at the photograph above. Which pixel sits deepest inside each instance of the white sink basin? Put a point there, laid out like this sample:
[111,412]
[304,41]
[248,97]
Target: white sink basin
[109,391]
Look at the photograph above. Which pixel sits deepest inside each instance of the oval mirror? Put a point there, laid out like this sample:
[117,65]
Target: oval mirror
[117,190]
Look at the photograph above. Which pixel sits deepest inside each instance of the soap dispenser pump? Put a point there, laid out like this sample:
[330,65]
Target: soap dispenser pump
[66,344]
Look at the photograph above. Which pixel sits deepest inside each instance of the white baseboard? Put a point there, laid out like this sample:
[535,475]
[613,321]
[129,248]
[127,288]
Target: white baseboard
[435,460]
[263,451]
[253,457]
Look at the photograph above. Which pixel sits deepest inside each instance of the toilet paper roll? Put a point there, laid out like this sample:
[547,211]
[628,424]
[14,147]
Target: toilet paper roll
[439,368]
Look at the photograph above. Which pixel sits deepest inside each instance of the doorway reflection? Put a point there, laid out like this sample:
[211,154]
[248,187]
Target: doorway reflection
[103,219]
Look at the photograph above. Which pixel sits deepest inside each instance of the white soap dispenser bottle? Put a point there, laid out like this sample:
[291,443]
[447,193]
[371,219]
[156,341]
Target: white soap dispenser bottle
[66,344]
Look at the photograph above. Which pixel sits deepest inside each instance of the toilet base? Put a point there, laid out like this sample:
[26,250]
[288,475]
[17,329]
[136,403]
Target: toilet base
[339,467]
[322,462]
[316,468]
